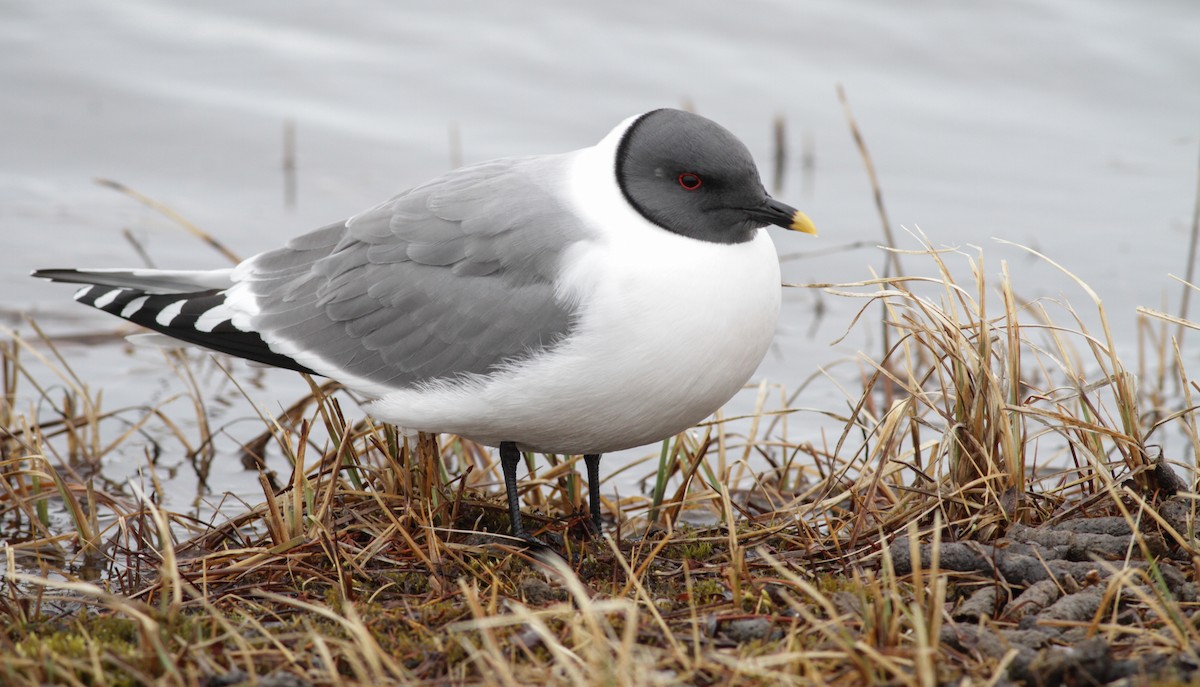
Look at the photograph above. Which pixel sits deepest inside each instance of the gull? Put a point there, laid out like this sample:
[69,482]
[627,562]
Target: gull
[575,303]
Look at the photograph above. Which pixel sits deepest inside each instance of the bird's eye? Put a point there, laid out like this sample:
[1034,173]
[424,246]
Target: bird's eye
[690,181]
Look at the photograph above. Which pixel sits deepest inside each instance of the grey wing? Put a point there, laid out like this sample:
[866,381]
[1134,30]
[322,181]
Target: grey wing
[454,277]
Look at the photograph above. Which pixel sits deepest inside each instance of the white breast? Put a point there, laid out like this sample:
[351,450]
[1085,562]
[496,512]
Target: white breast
[670,328]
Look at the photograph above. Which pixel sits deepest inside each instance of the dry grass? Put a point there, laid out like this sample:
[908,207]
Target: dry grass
[847,563]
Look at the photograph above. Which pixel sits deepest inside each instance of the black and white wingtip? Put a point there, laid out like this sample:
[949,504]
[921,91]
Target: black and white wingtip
[200,317]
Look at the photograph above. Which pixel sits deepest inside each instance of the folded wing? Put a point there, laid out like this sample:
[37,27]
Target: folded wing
[452,278]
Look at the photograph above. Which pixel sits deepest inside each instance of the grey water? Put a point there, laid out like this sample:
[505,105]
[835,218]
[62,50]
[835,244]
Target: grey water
[1067,126]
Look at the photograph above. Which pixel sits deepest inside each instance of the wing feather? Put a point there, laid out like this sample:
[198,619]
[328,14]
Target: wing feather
[454,277]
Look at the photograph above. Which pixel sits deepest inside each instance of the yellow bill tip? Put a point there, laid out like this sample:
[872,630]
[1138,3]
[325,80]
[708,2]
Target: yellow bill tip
[801,222]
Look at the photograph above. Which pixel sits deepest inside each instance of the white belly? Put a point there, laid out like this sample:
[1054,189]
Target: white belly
[674,327]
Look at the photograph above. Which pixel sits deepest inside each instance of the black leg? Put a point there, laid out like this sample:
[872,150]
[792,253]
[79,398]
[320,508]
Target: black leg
[593,469]
[509,458]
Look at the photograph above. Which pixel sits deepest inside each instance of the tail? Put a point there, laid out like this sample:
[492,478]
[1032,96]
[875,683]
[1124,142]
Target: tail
[191,306]
[149,281]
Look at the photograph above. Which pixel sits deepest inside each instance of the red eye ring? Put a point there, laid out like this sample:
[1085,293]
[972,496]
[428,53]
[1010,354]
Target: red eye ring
[690,181]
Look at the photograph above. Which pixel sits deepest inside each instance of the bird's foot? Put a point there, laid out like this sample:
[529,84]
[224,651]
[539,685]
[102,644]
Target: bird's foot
[529,541]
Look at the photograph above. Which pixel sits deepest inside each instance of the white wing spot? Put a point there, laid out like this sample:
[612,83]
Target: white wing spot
[170,312]
[104,300]
[212,317]
[82,293]
[133,306]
